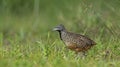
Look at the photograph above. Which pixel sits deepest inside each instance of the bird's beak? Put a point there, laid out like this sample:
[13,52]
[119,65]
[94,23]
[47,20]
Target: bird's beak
[55,28]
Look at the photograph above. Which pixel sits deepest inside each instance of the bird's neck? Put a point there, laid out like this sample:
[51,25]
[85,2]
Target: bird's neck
[61,33]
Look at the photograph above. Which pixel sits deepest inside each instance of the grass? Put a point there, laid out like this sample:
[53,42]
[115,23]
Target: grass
[29,42]
[43,53]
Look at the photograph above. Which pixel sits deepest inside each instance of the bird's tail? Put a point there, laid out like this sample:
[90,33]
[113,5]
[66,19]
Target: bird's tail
[93,43]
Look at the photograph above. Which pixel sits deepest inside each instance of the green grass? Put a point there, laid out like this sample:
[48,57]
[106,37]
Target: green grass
[28,40]
[51,52]
[26,48]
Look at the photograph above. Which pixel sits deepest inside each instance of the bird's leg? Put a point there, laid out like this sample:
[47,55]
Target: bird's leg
[84,53]
[77,55]
[81,55]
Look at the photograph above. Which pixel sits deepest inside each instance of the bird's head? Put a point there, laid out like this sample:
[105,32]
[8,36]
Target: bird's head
[59,28]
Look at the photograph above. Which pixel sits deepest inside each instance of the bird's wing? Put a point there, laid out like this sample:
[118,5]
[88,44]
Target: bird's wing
[83,41]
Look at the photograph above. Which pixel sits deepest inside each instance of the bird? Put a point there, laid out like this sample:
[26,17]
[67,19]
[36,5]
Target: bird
[74,41]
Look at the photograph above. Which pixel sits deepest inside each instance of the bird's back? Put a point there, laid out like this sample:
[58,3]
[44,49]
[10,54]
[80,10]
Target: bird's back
[76,42]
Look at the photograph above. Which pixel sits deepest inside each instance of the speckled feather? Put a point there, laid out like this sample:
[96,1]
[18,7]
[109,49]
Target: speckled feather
[76,42]
[73,41]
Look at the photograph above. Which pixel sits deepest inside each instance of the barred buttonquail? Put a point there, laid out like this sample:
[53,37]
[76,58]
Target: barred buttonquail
[73,41]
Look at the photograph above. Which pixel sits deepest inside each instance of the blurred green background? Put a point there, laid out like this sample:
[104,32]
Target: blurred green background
[27,39]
